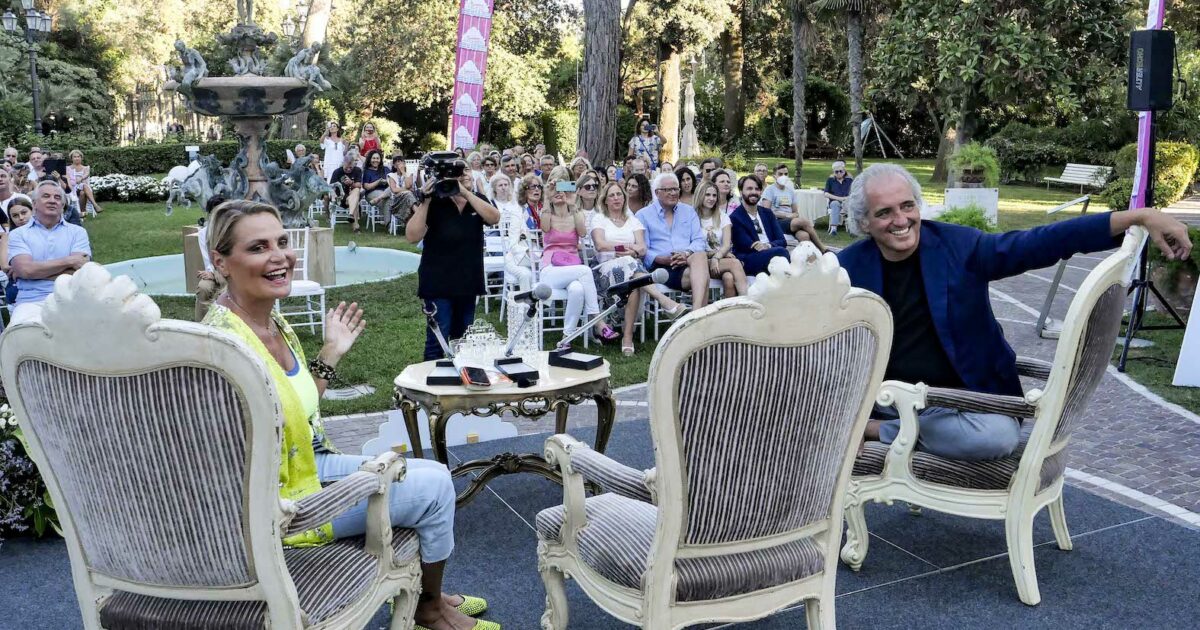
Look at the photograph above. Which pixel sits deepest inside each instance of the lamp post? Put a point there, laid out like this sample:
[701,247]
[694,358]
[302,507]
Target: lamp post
[37,27]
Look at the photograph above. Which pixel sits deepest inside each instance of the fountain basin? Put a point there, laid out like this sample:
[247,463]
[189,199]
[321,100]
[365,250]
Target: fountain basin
[165,275]
[247,96]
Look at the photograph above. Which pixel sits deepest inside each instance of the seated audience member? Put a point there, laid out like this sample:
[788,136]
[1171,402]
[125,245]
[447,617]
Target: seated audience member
[637,192]
[687,185]
[612,172]
[714,221]
[368,140]
[79,181]
[547,165]
[620,241]
[726,200]
[246,240]
[587,194]
[934,276]
[563,225]
[374,180]
[21,181]
[760,171]
[529,166]
[530,196]
[675,241]
[44,249]
[8,195]
[295,153]
[508,166]
[780,199]
[209,283]
[450,274]
[519,230]
[539,151]
[349,178]
[401,185]
[10,158]
[578,167]
[708,166]
[475,167]
[641,166]
[756,235]
[20,211]
[36,163]
[837,190]
[490,165]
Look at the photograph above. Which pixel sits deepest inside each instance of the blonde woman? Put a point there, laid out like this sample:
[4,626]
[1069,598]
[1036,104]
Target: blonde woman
[78,177]
[478,177]
[620,241]
[519,230]
[563,226]
[579,166]
[714,221]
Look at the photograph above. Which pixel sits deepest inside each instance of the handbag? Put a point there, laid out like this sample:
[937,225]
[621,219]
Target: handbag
[565,259]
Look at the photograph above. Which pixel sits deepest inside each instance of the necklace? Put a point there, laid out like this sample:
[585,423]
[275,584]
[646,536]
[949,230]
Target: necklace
[270,330]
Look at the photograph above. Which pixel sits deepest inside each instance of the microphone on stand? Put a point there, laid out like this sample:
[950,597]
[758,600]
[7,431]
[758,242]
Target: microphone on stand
[623,289]
[538,293]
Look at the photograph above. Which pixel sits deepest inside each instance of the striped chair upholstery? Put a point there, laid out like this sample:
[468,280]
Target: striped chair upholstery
[1095,352]
[327,579]
[620,532]
[186,529]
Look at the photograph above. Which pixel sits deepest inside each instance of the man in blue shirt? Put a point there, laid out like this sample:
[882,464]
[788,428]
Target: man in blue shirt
[934,277]
[837,191]
[44,249]
[675,241]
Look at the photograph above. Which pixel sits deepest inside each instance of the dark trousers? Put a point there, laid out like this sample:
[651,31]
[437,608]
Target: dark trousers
[453,317]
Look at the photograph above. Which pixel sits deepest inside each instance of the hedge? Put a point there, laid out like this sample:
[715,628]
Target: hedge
[150,159]
[560,132]
[1024,160]
[1175,166]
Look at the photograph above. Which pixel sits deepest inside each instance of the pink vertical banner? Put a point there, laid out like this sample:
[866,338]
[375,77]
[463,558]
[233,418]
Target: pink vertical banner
[474,34]
[1141,171]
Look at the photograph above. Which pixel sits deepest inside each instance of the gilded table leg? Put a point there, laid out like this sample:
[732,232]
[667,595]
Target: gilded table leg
[409,409]
[437,427]
[561,409]
[606,416]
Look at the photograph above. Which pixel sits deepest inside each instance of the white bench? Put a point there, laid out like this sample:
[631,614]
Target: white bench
[1081,175]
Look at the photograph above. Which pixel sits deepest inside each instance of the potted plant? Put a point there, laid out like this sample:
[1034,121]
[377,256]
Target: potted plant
[976,166]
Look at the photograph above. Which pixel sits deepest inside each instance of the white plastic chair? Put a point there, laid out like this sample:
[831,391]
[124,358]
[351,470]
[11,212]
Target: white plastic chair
[312,312]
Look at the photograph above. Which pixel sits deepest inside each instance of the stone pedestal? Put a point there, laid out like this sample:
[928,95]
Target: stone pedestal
[322,264]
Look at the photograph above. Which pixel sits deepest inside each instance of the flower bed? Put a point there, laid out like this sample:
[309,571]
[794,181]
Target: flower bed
[118,187]
[24,502]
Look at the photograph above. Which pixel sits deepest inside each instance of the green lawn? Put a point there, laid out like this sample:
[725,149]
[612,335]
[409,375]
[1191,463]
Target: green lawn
[395,334]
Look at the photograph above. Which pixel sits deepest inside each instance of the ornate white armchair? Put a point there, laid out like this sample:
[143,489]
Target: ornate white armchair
[757,405]
[1015,488]
[159,441]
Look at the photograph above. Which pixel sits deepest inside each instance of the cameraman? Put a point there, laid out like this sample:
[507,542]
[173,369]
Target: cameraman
[450,219]
[647,143]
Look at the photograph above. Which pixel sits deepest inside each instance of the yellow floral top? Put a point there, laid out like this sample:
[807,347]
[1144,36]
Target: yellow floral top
[298,466]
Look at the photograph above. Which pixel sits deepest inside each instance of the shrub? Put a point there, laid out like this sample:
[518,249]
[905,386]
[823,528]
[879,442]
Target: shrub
[973,156]
[1175,165]
[970,215]
[560,132]
[1024,160]
[158,158]
[433,141]
[118,187]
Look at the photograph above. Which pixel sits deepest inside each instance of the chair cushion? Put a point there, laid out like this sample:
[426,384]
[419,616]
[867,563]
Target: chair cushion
[616,544]
[327,578]
[305,287]
[993,474]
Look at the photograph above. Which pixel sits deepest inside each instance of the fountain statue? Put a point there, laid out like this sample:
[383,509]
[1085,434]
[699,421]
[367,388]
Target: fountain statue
[250,99]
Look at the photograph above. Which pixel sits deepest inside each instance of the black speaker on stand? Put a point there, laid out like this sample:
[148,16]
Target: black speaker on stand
[1151,90]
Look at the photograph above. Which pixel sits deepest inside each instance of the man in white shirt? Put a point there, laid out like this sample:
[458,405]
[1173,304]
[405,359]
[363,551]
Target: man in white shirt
[780,199]
[44,249]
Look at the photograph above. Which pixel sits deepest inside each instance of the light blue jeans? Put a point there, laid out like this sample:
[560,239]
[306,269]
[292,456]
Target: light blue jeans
[955,434]
[424,501]
[835,213]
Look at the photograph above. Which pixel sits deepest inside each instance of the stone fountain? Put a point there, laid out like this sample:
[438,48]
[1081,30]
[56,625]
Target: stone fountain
[250,99]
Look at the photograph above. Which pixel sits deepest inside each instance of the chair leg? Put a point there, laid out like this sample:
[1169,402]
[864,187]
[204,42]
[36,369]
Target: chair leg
[1018,529]
[858,539]
[557,612]
[820,614]
[1058,520]
[404,607]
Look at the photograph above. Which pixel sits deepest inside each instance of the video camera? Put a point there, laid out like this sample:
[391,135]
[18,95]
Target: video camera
[443,168]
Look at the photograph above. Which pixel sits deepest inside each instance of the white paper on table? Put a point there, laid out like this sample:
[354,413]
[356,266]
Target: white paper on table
[1187,370]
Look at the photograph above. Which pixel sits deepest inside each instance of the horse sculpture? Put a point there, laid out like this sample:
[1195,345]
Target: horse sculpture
[200,186]
[294,190]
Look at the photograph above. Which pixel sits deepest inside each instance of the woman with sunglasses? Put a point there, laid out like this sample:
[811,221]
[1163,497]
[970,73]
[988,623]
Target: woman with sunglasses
[563,227]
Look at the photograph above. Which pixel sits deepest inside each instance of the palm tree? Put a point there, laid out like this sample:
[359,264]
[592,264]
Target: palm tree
[802,42]
[854,38]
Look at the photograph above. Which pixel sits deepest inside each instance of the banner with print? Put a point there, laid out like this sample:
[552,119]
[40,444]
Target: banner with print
[474,34]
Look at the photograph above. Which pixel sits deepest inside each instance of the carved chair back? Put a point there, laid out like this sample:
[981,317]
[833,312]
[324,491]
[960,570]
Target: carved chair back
[759,404]
[158,441]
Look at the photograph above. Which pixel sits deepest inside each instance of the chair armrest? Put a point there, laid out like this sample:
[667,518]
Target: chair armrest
[610,475]
[372,479]
[1033,368]
[964,400]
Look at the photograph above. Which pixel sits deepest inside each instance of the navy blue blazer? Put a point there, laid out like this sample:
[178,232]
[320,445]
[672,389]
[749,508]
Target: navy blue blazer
[744,236]
[957,263]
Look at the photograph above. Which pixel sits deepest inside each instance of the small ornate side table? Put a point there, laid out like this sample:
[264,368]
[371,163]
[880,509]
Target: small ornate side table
[556,391]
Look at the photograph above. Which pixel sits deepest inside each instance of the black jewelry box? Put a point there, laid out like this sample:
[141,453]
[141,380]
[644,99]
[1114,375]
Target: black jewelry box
[516,369]
[444,373]
[575,360]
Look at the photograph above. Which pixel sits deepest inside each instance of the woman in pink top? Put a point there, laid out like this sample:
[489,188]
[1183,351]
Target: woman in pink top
[562,268]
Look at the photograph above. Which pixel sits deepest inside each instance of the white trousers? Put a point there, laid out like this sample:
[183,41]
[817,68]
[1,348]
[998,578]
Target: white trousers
[26,312]
[581,292]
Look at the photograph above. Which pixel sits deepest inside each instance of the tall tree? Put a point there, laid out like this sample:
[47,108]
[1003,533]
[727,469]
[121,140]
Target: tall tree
[601,79]
[854,62]
[733,56]
[802,35]
[683,26]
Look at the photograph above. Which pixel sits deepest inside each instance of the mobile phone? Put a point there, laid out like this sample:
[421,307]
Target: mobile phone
[620,248]
[475,377]
[564,187]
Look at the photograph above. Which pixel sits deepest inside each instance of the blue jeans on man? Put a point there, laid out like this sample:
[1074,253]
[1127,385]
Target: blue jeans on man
[453,317]
[955,434]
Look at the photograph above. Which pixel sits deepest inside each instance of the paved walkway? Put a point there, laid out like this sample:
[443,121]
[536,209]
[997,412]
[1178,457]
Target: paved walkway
[1132,446]
[1186,210]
